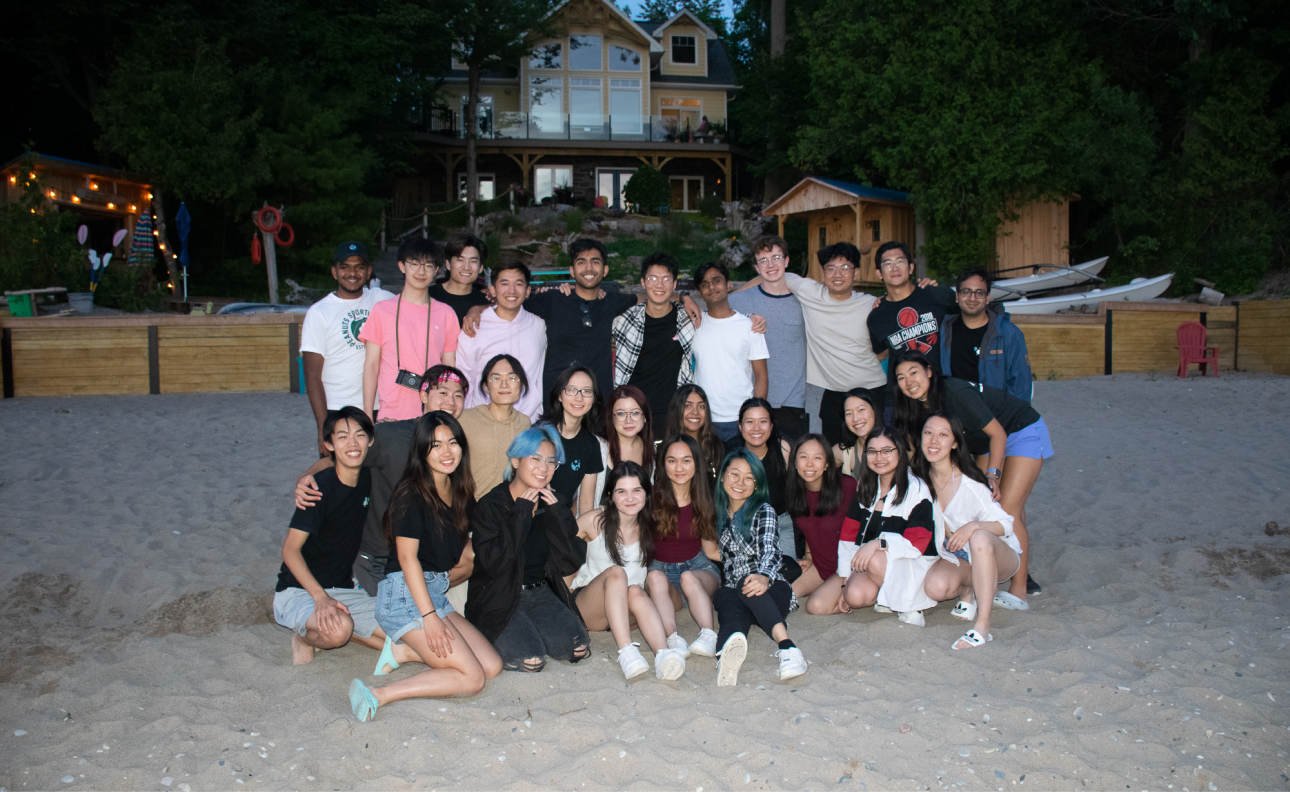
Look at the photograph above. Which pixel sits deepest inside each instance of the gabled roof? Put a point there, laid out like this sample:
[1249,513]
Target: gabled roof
[708,32]
[844,190]
[654,45]
[720,71]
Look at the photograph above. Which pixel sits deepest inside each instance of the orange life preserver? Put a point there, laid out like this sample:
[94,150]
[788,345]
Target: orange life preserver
[291,235]
[268,220]
[257,250]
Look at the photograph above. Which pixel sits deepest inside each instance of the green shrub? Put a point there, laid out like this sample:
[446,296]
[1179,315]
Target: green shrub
[573,220]
[648,189]
[710,206]
[494,242]
[38,245]
[125,288]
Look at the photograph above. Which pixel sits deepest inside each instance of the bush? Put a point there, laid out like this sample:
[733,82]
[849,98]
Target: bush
[126,289]
[648,189]
[38,245]
[710,206]
[573,220]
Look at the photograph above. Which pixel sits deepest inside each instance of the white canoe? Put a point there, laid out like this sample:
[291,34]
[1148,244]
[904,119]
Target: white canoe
[1135,290]
[1013,288]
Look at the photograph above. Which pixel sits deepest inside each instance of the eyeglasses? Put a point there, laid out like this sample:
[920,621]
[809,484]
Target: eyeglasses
[624,415]
[875,453]
[509,379]
[894,263]
[420,266]
[540,461]
[775,259]
[834,269]
[977,293]
[658,279]
[585,393]
[586,314]
[735,477]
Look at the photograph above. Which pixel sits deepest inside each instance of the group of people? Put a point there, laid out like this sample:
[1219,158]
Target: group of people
[461,518]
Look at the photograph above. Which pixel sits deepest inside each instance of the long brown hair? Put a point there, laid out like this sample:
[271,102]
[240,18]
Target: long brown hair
[647,429]
[867,480]
[960,457]
[609,518]
[703,521]
[417,482]
[713,450]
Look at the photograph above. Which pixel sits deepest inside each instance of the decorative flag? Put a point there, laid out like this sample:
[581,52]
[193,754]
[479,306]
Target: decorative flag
[141,245]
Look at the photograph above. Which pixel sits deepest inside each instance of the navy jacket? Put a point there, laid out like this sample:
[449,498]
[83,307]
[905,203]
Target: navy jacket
[1005,364]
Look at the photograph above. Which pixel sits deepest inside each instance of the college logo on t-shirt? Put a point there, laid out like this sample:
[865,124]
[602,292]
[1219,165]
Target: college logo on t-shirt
[916,334]
[351,324]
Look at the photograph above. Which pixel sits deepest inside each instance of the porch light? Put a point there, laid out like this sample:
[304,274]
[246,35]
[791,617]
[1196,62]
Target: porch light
[13,179]
[111,205]
[76,199]
[133,208]
[52,194]
[31,175]
[149,196]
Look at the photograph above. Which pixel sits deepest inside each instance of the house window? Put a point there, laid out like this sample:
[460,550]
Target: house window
[624,59]
[584,103]
[546,56]
[546,103]
[686,192]
[584,53]
[483,115]
[486,185]
[625,106]
[549,178]
[823,239]
[679,114]
[610,183]
[876,227]
[684,50]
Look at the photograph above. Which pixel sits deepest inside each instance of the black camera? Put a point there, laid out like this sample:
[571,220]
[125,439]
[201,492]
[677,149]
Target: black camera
[408,380]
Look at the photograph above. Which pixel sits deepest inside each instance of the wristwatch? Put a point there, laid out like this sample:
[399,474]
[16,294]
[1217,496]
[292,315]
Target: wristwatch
[992,472]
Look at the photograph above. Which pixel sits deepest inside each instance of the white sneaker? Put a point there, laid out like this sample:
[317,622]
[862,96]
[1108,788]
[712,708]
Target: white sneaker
[913,617]
[629,657]
[705,645]
[882,609]
[732,657]
[675,641]
[791,663]
[669,664]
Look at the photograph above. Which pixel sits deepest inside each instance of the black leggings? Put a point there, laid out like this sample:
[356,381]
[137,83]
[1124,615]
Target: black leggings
[541,626]
[736,611]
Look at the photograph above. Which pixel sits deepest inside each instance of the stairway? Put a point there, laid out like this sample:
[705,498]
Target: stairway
[385,267]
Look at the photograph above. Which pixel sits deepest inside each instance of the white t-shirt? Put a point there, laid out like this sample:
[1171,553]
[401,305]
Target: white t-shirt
[723,353]
[839,356]
[331,330]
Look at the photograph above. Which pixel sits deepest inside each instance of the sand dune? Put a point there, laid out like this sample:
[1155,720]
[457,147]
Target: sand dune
[140,545]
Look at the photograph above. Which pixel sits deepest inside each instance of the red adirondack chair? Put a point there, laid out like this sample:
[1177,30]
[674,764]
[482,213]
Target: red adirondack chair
[1192,349]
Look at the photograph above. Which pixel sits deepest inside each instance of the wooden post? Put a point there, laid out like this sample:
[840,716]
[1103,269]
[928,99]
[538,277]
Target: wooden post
[172,264]
[271,264]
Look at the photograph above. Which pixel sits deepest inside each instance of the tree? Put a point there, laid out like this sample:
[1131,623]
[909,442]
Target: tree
[648,189]
[490,33]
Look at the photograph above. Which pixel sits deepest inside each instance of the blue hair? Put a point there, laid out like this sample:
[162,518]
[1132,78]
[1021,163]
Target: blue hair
[528,442]
[761,495]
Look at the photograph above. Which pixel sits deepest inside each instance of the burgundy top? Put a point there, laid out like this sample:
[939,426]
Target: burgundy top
[685,545]
[822,532]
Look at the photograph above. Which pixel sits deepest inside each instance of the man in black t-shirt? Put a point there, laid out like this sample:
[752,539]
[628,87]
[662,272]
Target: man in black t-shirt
[465,255]
[316,597]
[653,341]
[909,318]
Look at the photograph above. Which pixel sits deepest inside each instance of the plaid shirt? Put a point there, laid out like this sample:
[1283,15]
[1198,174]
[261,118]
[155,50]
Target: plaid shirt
[629,337]
[740,558]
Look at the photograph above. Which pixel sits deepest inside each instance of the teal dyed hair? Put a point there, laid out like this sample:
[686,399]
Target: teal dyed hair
[528,442]
[761,495]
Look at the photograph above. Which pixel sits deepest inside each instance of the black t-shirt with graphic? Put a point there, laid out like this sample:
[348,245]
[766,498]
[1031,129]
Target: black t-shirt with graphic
[965,351]
[459,303]
[335,528]
[581,457]
[911,325]
[659,362]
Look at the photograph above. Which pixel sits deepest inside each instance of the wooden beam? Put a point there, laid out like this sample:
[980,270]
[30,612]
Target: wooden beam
[723,162]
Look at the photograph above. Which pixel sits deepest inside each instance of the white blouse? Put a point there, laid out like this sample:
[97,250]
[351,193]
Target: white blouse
[598,560]
[973,501]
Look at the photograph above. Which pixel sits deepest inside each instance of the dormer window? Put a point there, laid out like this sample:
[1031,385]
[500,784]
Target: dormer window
[584,53]
[684,50]
[547,56]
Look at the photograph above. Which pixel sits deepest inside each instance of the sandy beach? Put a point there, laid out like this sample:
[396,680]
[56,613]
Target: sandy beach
[141,541]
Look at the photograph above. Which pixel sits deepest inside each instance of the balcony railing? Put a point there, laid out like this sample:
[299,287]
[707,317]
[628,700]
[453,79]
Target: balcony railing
[578,126]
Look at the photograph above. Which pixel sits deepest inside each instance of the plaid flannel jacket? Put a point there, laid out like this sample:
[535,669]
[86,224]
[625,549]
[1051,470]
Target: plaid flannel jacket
[761,556]
[629,337]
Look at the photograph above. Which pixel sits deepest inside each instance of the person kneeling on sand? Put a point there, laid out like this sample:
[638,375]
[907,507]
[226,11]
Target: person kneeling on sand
[526,541]
[748,536]
[978,549]
[608,591]
[427,524]
[316,596]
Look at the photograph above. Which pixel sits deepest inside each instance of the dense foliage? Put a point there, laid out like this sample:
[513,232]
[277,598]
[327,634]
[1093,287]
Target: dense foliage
[648,189]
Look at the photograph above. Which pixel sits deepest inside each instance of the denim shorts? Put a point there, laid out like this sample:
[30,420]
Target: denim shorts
[673,571]
[1031,442]
[292,608]
[397,612]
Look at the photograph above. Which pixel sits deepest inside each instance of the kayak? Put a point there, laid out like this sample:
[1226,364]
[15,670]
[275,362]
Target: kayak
[1136,290]
[1014,288]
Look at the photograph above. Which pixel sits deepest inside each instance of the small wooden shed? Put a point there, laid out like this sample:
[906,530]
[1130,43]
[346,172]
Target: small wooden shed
[1040,235]
[839,211]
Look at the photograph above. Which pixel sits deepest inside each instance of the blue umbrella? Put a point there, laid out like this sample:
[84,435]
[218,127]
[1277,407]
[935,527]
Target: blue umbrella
[183,221]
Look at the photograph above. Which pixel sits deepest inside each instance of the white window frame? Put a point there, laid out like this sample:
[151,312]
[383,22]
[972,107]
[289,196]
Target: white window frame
[671,50]
[600,64]
[485,104]
[685,195]
[552,168]
[534,57]
[624,174]
[481,177]
[631,127]
[587,84]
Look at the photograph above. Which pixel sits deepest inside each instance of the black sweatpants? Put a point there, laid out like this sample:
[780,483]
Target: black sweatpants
[831,405]
[736,612]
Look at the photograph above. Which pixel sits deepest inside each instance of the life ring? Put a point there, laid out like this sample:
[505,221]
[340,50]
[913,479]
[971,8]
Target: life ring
[257,250]
[291,235]
[268,220]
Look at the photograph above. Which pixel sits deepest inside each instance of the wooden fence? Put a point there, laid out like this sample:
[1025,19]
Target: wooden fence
[150,354]
[211,354]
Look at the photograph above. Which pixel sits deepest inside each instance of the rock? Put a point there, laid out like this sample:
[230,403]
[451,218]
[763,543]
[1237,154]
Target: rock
[167,781]
[19,732]
[68,779]
[562,208]
[629,226]
[964,752]
[905,728]
[651,228]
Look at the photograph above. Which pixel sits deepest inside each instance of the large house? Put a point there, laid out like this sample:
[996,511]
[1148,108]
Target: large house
[592,103]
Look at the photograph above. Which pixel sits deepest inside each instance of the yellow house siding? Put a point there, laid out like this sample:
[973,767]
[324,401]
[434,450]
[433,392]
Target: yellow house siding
[698,69]
[714,102]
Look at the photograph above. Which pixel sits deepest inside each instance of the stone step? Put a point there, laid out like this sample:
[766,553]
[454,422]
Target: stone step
[386,269]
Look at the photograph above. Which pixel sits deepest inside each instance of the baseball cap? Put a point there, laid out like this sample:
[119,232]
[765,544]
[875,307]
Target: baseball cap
[351,248]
